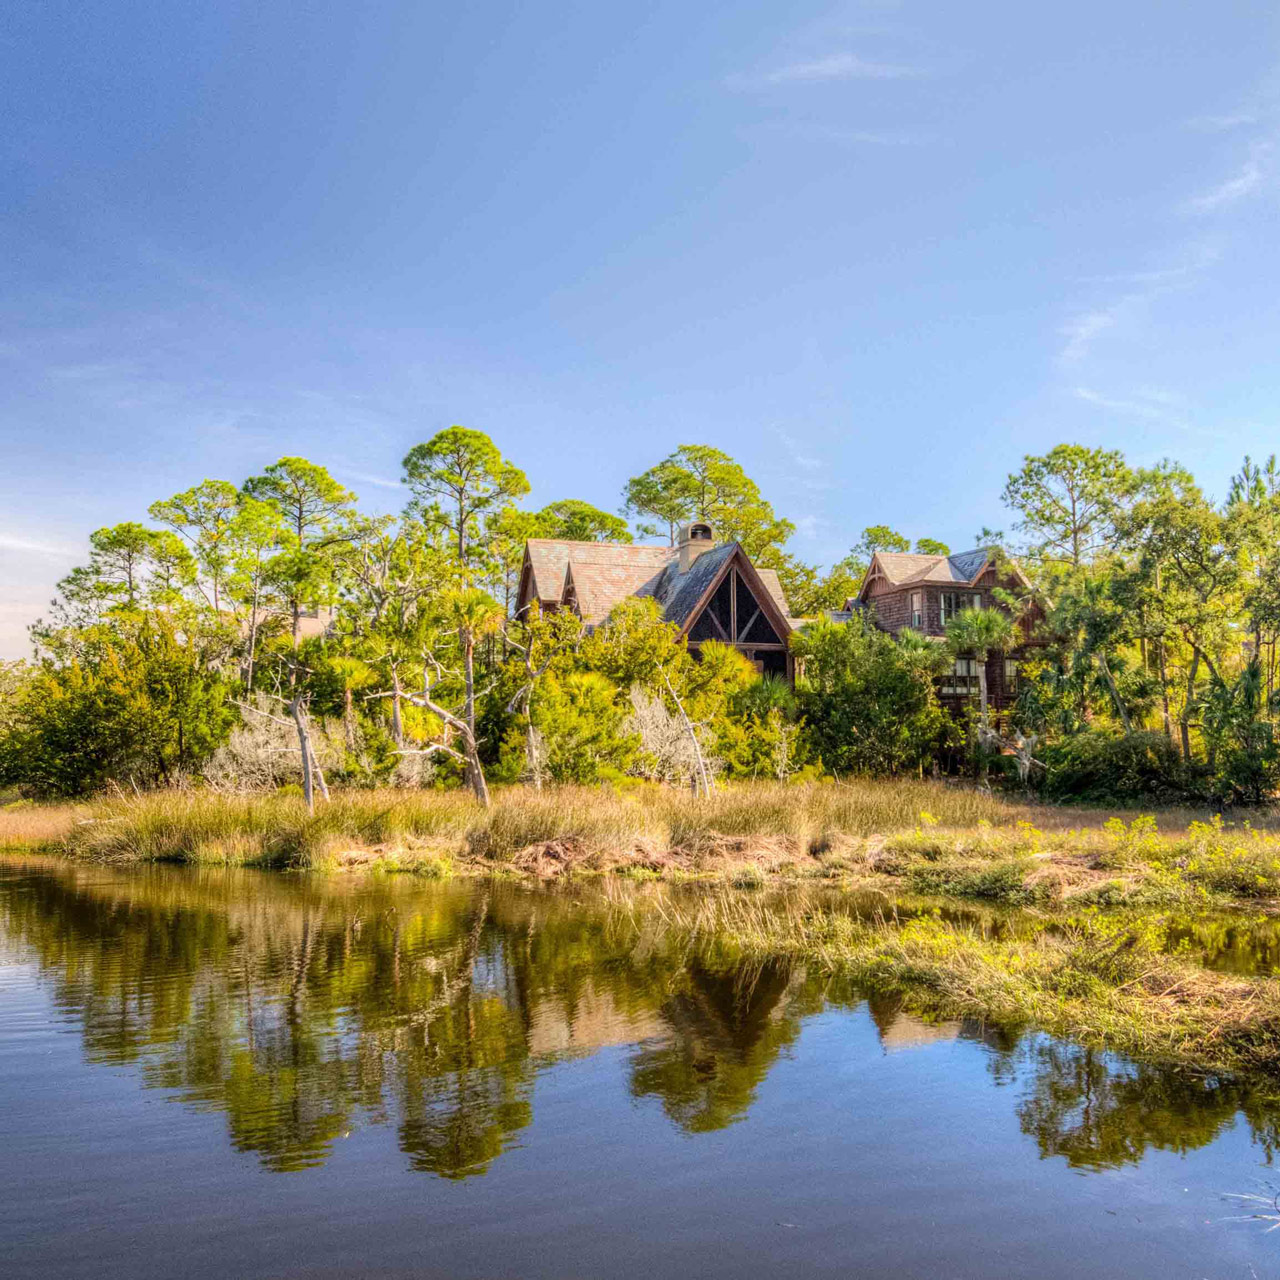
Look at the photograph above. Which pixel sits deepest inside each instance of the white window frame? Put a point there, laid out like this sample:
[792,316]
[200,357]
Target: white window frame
[917,609]
[962,680]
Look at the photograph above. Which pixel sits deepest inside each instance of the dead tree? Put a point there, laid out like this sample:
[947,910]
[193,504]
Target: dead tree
[297,705]
[702,775]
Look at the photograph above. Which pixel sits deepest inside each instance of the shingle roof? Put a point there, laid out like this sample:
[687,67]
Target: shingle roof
[549,559]
[599,582]
[901,567]
[773,585]
[604,573]
[678,592]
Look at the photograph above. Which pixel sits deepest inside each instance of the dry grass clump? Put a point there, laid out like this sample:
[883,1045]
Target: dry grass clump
[25,826]
[645,823]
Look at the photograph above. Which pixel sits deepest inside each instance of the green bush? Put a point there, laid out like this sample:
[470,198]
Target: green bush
[1102,768]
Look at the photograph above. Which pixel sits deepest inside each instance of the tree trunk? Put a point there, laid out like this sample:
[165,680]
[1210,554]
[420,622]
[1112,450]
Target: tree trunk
[475,777]
[1164,692]
[348,719]
[1115,693]
[397,727]
[312,775]
[1184,723]
[531,751]
[304,749]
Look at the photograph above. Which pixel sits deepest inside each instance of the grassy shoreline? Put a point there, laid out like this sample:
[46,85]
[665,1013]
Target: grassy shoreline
[1102,979]
[1097,895]
[897,836]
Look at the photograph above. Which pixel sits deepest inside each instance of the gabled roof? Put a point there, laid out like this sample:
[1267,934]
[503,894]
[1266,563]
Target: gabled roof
[596,576]
[679,593]
[902,568]
[547,560]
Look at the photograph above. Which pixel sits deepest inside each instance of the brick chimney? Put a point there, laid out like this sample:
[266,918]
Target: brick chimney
[692,540]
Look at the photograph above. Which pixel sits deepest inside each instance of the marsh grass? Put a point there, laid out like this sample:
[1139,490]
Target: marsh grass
[899,835]
[1105,980]
[603,825]
[24,825]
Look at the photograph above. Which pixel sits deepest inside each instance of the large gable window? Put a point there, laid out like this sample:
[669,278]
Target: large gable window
[735,616]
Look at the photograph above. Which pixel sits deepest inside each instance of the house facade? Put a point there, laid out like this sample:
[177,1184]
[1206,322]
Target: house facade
[709,590]
[924,593]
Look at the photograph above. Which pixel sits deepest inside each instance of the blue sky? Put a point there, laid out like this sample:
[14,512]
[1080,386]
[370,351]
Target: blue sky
[876,251]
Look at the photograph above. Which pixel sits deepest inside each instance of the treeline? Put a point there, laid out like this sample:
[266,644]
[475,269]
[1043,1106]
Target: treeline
[272,634]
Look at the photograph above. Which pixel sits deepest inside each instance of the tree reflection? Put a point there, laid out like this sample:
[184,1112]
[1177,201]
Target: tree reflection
[728,1028]
[1100,1113]
[299,1009]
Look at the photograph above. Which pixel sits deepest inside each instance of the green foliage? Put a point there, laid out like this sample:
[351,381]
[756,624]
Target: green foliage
[579,521]
[579,717]
[698,482]
[637,647]
[141,704]
[867,700]
[1069,501]
[1100,767]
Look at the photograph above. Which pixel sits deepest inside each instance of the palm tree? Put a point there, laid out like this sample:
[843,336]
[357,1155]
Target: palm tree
[976,633]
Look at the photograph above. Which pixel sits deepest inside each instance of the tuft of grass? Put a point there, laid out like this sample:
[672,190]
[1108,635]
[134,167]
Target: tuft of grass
[1004,881]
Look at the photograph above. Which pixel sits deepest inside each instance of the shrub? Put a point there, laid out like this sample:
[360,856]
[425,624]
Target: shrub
[1101,768]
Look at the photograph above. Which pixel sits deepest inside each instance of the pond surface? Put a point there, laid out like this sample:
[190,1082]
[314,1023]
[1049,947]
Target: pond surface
[210,1073]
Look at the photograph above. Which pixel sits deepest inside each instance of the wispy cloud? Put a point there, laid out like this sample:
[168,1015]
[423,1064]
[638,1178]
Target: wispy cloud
[831,66]
[1222,123]
[1081,331]
[30,546]
[380,482]
[1244,183]
[1152,404]
[1198,257]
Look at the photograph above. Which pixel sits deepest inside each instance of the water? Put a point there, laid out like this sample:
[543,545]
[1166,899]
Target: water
[228,1074]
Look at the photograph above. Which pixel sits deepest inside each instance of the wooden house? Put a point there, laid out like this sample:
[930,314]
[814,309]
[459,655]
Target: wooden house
[709,590]
[924,593]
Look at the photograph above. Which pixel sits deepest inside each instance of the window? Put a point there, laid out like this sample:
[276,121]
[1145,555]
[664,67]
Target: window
[917,609]
[953,601]
[962,679]
[1010,675]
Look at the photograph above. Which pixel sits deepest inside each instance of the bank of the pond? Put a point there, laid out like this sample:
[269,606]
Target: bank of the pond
[1129,979]
[919,837]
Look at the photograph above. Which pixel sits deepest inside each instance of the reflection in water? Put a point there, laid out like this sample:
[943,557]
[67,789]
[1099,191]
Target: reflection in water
[300,1009]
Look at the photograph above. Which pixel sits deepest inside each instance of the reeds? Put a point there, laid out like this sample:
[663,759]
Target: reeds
[641,823]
